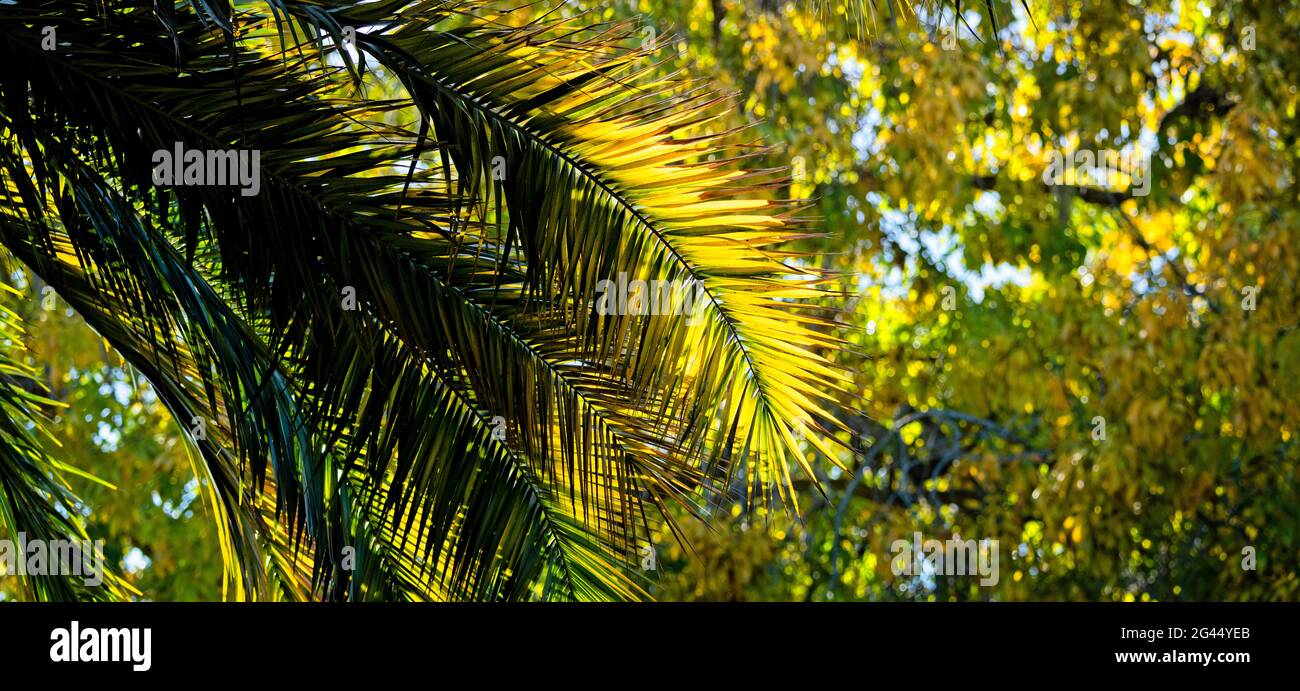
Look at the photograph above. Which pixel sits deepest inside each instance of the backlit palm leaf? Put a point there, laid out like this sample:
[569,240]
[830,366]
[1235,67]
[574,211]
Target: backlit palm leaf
[476,292]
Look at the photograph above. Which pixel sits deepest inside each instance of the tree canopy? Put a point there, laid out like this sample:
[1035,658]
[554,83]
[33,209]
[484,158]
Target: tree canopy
[1097,370]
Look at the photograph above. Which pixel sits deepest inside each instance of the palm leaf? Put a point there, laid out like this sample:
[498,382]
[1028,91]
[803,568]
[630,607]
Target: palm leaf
[476,296]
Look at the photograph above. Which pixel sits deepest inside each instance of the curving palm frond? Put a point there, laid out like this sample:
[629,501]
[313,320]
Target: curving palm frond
[395,362]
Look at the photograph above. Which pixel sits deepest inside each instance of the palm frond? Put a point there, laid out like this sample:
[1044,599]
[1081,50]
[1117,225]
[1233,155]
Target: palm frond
[476,295]
[635,193]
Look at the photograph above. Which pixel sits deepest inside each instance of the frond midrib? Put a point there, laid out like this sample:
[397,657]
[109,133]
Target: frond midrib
[734,335]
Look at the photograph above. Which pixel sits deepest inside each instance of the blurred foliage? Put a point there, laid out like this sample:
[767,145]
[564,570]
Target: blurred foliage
[999,321]
[146,509]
